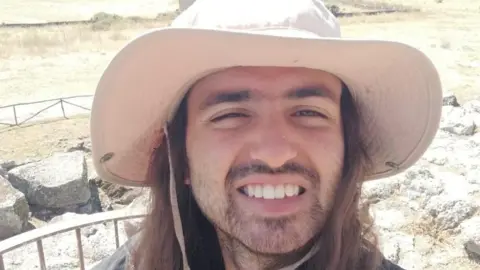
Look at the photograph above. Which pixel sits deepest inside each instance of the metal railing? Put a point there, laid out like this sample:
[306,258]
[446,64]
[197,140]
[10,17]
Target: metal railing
[38,234]
[58,101]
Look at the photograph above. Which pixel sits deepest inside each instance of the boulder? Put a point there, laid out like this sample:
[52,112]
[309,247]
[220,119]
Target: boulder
[14,210]
[470,236]
[449,99]
[458,121]
[56,182]
[119,195]
[139,205]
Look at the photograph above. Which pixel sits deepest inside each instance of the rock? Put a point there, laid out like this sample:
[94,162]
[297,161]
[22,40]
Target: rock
[8,165]
[93,205]
[473,177]
[465,159]
[421,183]
[391,215]
[82,144]
[138,205]
[456,186]
[381,189]
[401,248]
[119,194]
[449,212]
[471,235]
[472,106]
[14,210]
[56,182]
[91,172]
[458,121]
[449,99]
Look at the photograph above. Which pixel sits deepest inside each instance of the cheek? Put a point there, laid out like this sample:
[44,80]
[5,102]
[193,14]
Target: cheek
[328,155]
[209,158]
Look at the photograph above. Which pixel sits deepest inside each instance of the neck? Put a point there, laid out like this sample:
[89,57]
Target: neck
[237,256]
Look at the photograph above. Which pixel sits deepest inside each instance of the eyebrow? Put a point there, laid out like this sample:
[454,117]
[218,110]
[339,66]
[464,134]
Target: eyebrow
[245,95]
[307,92]
[225,97]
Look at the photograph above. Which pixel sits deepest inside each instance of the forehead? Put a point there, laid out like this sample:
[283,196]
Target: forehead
[270,81]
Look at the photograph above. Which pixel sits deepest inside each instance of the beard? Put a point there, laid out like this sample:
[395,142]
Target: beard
[273,236]
[240,231]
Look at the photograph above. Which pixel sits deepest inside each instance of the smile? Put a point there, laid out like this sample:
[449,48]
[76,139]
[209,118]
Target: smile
[271,192]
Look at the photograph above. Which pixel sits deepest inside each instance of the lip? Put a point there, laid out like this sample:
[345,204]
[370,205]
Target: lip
[273,208]
[277,179]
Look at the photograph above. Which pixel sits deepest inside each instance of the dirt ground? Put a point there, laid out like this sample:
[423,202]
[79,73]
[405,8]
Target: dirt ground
[38,11]
[52,62]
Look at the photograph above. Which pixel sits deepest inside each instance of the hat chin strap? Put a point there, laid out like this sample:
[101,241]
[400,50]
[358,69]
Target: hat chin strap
[177,222]
[304,259]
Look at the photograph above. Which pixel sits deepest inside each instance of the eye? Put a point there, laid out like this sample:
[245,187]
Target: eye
[309,113]
[227,116]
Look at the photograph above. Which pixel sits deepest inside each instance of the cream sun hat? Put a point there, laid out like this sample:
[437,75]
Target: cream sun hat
[396,87]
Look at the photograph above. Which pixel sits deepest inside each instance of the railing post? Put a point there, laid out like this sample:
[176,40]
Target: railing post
[41,255]
[2,265]
[63,109]
[15,115]
[80,248]
[117,240]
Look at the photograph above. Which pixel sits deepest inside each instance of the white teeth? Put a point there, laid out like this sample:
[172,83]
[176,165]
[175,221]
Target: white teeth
[258,191]
[268,192]
[250,190]
[271,191]
[279,192]
[291,190]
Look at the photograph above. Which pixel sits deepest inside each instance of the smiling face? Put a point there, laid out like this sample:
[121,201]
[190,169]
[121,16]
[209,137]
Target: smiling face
[265,151]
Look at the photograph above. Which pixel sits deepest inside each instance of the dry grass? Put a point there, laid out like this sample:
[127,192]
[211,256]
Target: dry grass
[42,139]
[15,11]
[58,61]
[443,31]
[103,35]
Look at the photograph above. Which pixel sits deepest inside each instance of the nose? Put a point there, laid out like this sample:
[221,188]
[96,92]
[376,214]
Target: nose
[272,146]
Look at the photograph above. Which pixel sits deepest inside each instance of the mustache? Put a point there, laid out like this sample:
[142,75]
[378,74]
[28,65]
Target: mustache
[241,171]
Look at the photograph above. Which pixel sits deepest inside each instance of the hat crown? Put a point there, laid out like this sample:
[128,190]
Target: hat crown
[246,15]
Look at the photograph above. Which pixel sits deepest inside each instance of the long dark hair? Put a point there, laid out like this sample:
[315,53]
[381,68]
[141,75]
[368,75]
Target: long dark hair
[346,241]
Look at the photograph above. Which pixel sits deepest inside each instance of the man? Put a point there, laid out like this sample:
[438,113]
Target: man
[255,125]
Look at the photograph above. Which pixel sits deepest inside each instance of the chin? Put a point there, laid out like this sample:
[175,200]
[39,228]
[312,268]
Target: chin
[276,237]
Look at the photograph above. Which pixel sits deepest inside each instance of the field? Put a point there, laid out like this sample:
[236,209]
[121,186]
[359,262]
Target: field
[60,61]
[69,10]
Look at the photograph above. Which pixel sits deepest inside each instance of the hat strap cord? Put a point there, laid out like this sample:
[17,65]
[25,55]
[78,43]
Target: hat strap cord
[177,222]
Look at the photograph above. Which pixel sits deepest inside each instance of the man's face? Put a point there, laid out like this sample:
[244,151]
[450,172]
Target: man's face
[265,152]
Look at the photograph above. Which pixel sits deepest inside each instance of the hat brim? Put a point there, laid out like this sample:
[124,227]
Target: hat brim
[396,87]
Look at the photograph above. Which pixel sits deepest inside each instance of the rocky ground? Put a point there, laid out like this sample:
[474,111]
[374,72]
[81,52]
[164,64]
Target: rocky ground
[36,193]
[427,217]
